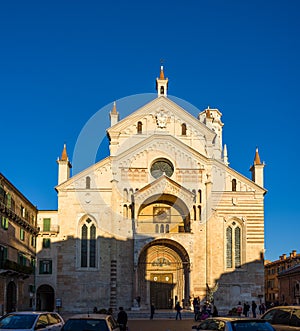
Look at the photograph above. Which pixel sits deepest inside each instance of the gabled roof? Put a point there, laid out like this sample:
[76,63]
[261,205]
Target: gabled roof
[155,105]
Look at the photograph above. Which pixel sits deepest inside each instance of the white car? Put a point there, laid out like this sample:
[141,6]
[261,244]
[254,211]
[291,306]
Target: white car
[30,321]
[95,322]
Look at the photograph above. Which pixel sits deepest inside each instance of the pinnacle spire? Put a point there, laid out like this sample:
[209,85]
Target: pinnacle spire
[161,75]
[162,83]
[257,158]
[114,110]
[64,155]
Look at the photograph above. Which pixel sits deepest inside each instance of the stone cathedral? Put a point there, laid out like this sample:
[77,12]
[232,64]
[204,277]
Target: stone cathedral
[162,219]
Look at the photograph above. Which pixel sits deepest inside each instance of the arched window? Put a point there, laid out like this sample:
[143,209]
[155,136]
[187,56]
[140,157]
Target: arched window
[156,228]
[233,245]
[88,182]
[162,228]
[233,182]
[131,194]
[183,129]
[199,213]
[139,127]
[162,90]
[167,228]
[229,247]
[200,196]
[88,245]
[237,247]
[125,211]
[195,197]
[93,246]
[195,213]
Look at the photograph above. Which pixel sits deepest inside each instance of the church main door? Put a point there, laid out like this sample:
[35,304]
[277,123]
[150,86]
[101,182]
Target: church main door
[163,274]
[161,286]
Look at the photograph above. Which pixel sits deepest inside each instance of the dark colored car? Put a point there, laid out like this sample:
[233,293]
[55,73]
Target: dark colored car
[284,318]
[234,324]
[91,322]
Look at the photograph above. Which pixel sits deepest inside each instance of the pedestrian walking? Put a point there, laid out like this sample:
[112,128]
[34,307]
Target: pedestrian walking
[178,309]
[152,311]
[122,319]
[253,308]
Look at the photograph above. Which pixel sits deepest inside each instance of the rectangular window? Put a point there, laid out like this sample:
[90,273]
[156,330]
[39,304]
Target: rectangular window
[33,241]
[45,267]
[2,193]
[8,200]
[22,234]
[13,205]
[3,254]
[4,223]
[22,259]
[46,224]
[46,243]
[22,211]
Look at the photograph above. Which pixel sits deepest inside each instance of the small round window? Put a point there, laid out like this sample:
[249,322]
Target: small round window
[162,167]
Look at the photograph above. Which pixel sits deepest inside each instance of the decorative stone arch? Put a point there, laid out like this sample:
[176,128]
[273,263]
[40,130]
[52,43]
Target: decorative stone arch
[162,274]
[171,201]
[45,298]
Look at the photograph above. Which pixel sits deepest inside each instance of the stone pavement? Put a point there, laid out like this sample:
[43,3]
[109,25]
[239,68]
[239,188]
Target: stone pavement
[161,325]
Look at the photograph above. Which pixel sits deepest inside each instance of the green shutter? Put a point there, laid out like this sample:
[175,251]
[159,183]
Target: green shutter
[46,224]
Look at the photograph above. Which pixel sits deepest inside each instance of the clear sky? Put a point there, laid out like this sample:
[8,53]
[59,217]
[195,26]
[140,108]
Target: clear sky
[62,61]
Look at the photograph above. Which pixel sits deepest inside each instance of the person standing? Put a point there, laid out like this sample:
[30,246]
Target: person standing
[253,307]
[122,319]
[239,309]
[152,311]
[178,309]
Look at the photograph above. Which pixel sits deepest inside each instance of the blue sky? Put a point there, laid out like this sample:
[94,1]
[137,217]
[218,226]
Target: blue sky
[62,61]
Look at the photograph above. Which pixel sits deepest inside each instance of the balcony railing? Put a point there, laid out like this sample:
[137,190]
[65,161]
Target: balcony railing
[8,212]
[10,267]
[51,229]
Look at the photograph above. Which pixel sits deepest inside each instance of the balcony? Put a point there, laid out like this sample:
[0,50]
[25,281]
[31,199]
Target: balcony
[13,217]
[11,268]
[53,229]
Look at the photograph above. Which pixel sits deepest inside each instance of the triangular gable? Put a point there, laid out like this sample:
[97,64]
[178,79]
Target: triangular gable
[153,108]
[104,164]
[162,185]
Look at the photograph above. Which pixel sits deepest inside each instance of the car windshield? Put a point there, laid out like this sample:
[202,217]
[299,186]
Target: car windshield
[85,325]
[18,321]
[251,326]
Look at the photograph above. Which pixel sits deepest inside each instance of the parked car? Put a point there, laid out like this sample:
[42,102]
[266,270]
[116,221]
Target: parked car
[31,320]
[234,324]
[283,317]
[91,322]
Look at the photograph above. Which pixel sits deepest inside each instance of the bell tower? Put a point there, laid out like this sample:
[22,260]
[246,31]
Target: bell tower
[161,84]
[64,166]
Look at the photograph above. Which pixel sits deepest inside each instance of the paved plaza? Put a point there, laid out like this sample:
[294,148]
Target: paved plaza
[161,325]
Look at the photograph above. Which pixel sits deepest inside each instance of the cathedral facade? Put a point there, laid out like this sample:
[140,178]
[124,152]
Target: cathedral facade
[162,219]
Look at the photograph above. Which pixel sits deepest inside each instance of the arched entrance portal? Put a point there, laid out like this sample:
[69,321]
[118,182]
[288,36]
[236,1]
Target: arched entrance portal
[45,298]
[163,274]
[11,297]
